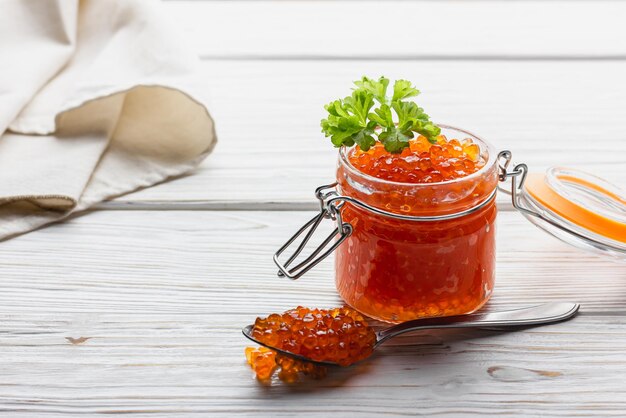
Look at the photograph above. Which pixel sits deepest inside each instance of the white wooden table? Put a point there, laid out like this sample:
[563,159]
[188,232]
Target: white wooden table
[136,308]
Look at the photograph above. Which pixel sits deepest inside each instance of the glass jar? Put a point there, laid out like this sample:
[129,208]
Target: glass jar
[401,269]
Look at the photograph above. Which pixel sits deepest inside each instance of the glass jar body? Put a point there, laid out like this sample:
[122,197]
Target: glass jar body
[397,270]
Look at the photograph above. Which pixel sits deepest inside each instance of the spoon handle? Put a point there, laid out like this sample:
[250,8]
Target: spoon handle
[535,315]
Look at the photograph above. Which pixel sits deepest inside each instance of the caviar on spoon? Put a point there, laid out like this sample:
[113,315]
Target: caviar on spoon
[308,340]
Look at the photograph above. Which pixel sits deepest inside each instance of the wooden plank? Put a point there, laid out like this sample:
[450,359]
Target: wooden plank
[271,153]
[403,29]
[157,365]
[141,314]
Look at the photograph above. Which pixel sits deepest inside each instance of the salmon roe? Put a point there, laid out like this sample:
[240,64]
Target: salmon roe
[338,335]
[265,362]
[421,162]
[397,270]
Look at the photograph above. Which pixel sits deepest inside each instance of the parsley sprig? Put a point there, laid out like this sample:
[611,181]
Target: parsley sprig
[351,120]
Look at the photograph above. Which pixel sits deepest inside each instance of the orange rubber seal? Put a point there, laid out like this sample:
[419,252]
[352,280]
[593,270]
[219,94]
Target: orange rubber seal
[539,189]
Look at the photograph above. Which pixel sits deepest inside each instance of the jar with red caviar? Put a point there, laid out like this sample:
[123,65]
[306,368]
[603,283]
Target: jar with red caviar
[423,246]
[438,259]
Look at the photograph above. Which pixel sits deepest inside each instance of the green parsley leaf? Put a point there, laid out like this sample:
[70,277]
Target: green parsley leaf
[350,121]
[394,139]
[359,104]
[378,89]
[382,116]
[402,89]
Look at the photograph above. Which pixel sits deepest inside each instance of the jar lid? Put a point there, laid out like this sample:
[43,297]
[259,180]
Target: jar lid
[578,208]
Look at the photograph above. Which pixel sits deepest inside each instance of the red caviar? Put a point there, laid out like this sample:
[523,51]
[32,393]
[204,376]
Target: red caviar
[421,162]
[262,360]
[339,335]
[265,362]
[397,270]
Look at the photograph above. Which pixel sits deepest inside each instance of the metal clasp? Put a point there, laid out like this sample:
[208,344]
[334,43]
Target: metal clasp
[519,171]
[329,209]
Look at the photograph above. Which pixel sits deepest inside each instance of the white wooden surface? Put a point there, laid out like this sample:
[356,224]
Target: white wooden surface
[136,308]
[475,29]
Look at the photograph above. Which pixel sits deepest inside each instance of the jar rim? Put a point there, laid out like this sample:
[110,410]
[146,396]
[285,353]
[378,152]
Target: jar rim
[491,160]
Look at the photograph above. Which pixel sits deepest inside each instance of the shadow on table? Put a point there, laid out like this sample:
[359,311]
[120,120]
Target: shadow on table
[416,349]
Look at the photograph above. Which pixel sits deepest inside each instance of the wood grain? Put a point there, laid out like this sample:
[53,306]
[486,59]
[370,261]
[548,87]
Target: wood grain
[141,313]
[408,29]
[171,365]
[271,154]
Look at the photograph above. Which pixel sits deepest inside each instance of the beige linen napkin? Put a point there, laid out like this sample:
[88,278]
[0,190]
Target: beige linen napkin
[97,98]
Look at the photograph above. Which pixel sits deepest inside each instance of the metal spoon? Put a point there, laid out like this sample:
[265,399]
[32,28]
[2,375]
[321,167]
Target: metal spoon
[536,315]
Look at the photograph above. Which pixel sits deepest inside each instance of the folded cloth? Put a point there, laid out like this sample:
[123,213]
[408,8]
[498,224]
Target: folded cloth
[97,99]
